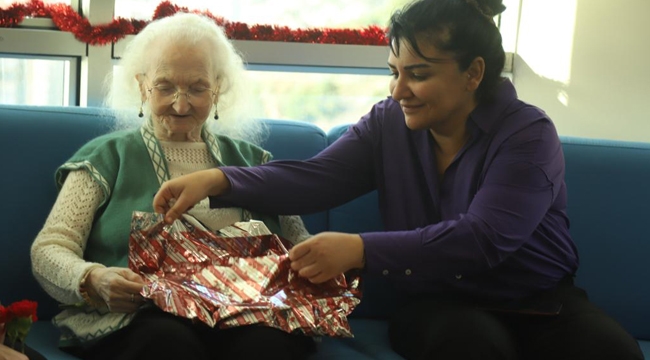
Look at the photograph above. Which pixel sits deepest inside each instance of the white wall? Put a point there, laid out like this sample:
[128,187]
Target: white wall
[587,64]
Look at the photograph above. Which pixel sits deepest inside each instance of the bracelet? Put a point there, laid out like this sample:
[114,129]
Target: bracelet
[83,291]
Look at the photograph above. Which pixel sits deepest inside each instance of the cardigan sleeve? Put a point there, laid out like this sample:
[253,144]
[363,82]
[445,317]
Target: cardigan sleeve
[57,251]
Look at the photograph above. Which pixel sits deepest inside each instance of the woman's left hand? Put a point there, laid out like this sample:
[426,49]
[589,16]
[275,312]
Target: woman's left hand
[326,255]
[118,287]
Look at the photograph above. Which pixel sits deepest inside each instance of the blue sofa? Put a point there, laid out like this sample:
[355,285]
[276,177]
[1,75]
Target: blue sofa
[608,197]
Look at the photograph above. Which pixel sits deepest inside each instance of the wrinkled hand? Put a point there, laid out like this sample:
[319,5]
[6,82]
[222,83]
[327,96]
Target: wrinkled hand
[326,255]
[119,288]
[7,353]
[178,195]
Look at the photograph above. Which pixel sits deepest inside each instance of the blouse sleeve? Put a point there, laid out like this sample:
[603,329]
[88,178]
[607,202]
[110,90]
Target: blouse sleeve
[338,174]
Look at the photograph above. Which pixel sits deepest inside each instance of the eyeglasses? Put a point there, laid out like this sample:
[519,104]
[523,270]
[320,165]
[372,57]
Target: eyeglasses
[195,95]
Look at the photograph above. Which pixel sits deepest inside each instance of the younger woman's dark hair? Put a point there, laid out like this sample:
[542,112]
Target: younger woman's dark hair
[463,27]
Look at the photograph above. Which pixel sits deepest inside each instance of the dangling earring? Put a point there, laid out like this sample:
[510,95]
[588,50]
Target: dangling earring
[216,113]
[141,114]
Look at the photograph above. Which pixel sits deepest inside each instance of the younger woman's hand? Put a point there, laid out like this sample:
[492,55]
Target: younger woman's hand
[178,195]
[326,255]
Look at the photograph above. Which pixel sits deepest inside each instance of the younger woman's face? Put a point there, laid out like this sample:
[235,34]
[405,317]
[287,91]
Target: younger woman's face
[432,94]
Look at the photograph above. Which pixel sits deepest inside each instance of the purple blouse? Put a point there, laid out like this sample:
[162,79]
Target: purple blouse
[495,226]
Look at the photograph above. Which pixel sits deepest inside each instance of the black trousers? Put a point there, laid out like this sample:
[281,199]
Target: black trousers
[460,329]
[154,334]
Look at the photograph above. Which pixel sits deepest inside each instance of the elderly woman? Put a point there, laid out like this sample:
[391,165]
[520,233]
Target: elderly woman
[179,74]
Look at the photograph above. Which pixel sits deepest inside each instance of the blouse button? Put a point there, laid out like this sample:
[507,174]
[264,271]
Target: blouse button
[407,272]
[459,276]
[385,272]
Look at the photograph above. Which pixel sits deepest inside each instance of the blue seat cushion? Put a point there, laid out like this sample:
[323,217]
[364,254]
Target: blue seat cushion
[44,338]
[370,342]
[645,348]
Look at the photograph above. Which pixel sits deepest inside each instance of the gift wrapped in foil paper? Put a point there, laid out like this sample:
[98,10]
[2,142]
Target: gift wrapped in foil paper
[238,276]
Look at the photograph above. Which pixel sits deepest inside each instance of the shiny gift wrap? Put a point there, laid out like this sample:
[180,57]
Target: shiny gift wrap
[232,281]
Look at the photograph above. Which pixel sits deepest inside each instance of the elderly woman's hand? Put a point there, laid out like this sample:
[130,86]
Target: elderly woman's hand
[119,288]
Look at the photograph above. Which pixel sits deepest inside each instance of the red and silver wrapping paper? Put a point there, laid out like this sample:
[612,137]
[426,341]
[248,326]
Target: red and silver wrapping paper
[233,281]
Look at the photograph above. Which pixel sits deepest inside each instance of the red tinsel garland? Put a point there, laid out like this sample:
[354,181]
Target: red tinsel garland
[65,18]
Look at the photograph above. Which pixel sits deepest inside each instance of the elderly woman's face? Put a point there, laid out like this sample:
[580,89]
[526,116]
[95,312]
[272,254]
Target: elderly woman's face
[181,89]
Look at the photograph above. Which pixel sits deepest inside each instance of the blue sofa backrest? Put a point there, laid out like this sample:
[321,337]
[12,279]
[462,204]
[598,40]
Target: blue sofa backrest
[608,196]
[33,143]
[297,140]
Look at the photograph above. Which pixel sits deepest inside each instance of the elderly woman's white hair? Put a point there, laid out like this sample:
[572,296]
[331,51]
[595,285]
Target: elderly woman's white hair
[123,94]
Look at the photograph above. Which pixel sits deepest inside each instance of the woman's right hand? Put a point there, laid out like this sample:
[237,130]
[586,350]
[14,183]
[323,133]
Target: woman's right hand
[119,288]
[178,195]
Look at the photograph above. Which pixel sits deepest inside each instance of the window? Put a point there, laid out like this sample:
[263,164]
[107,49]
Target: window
[324,99]
[328,89]
[327,84]
[323,84]
[34,81]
